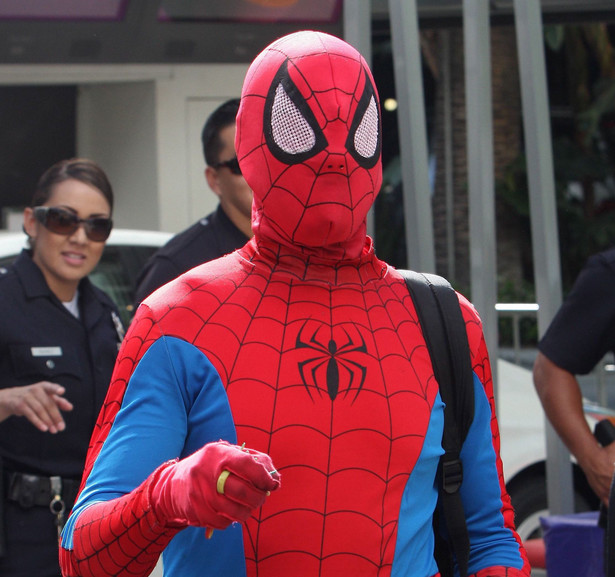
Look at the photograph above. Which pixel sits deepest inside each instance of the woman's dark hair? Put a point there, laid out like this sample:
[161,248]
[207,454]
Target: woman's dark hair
[82,169]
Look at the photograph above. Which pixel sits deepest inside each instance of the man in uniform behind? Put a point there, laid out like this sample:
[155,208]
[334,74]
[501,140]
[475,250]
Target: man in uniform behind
[218,233]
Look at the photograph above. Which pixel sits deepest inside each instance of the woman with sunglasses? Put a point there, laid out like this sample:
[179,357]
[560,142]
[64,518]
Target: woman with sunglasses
[59,338]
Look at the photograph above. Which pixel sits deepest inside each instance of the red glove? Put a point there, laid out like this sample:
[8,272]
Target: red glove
[191,492]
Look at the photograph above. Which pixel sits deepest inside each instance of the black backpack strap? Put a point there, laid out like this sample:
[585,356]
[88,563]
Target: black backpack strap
[444,329]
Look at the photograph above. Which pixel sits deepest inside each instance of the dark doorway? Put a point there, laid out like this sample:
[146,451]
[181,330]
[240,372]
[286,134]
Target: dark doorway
[37,128]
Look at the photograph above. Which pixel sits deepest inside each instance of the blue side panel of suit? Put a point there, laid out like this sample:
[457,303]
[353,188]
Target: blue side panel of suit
[186,406]
[161,419]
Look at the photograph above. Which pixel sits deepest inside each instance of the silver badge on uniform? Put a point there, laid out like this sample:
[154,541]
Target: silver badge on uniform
[119,327]
[46,351]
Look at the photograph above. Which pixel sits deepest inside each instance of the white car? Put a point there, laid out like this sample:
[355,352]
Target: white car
[523,449]
[521,419]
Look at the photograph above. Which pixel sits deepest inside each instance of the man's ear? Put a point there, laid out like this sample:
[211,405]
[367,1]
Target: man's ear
[29,222]
[211,176]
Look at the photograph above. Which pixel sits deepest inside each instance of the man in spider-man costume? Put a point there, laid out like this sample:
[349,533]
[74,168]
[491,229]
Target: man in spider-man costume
[304,346]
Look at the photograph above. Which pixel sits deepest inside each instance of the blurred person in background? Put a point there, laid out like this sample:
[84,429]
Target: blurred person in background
[219,233]
[579,335]
[59,338]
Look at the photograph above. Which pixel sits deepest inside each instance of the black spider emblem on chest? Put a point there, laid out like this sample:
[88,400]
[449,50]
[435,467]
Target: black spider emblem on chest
[333,367]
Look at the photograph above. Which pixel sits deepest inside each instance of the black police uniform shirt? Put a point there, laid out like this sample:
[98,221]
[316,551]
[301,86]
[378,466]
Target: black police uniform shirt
[583,329]
[40,340]
[211,237]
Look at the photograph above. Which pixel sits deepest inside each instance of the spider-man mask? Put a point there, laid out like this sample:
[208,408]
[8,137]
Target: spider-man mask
[308,141]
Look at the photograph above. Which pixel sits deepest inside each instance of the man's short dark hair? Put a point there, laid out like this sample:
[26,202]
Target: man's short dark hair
[220,118]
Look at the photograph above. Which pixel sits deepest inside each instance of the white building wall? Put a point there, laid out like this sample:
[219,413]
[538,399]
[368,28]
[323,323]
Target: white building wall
[116,127]
[183,103]
[143,123]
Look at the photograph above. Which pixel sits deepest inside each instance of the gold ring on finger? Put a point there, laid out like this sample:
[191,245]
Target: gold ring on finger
[222,481]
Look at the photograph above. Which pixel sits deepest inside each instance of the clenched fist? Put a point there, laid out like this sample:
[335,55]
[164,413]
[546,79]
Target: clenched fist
[197,491]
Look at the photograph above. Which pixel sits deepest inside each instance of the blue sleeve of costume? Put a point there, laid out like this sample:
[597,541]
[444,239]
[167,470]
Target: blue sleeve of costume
[173,405]
[491,542]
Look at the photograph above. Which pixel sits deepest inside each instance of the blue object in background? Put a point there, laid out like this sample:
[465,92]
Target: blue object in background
[574,545]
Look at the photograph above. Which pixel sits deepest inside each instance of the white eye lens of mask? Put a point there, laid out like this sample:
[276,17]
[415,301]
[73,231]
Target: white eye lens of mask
[366,135]
[290,130]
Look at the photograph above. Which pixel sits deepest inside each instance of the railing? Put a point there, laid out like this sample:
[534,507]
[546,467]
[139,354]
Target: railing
[604,372]
[516,311]
[600,376]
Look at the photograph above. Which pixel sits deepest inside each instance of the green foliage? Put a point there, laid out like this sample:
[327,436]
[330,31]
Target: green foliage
[585,218]
[604,103]
[584,159]
[554,37]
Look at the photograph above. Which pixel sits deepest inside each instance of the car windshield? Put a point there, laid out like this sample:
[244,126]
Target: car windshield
[117,272]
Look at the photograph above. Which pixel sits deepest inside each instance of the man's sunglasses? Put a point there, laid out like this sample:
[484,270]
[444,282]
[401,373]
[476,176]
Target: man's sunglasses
[232,165]
[64,222]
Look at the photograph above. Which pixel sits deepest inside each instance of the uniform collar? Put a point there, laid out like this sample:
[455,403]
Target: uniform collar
[229,225]
[35,286]
[30,276]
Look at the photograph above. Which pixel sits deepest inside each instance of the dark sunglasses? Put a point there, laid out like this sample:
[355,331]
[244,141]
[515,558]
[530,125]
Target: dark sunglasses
[232,165]
[64,222]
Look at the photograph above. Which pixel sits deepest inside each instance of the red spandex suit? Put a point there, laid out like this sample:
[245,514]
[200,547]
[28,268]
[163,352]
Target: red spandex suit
[304,346]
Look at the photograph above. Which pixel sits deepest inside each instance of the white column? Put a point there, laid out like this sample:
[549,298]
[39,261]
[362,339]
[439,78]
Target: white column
[412,135]
[481,190]
[538,151]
